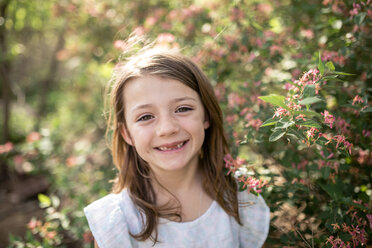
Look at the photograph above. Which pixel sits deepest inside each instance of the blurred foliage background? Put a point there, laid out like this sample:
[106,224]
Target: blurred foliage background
[56,58]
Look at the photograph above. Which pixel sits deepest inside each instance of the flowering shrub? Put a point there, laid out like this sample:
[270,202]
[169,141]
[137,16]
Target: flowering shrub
[310,156]
[239,169]
[324,155]
[47,234]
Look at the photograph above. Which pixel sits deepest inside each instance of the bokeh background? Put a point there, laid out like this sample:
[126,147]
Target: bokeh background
[56,58]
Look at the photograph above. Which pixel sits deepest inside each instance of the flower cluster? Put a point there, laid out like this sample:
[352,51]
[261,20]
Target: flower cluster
[328,118]
[357,231]
[7,147]
[46,231]
[245,178]
[280,112]
[312,76]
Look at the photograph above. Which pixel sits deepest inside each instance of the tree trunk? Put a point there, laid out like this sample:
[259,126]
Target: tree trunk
[4,74]
[4,79]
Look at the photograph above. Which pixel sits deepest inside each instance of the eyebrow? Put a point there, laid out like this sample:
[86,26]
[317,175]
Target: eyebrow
[179,99]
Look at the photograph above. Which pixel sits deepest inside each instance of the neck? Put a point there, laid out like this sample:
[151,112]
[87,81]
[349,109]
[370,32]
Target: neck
[178,182]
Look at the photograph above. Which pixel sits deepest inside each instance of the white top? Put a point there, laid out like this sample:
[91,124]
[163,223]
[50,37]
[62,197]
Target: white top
[111,217]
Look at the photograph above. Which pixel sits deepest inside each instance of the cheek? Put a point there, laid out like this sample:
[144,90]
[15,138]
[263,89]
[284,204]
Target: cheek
[140,136]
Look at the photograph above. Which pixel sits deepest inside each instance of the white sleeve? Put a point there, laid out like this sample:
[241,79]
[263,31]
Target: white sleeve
[107,223]
[255,217]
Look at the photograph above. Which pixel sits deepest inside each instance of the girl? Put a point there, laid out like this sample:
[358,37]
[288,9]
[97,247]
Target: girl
[169,147]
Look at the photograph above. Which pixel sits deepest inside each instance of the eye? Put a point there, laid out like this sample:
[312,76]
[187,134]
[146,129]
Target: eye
[145,118]
[183,109]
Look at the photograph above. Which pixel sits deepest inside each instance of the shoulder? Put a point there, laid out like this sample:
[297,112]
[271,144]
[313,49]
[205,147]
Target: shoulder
[107,221]
[255,217]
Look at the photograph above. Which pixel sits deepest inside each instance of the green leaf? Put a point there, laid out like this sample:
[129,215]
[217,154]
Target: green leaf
[320,65]
[342,73]
[310,100]
[333,190]
[294,133]
[241,184]
[269,122]
[276,135]
[359,18]
[309,91]
[330,78]
[330,66]
[349,202]
[44,200]
[309,123]
[345,237]
[325,172]
[369,109]
[276,100]
[284,123]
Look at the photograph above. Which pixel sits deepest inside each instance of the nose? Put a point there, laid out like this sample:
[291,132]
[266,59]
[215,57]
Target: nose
[167,125]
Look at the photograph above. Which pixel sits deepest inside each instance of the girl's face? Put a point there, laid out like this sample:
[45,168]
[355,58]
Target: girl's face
[165,122]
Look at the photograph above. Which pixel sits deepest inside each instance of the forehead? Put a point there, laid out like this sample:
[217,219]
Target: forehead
[150,89]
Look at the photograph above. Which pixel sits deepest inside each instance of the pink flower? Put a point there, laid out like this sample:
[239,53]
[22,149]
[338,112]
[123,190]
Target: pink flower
[366,133]
[33,224]
[228,160]
[342,125]
[252,183]
[150,21]
[330,240]
[275,49]
[121,45]
[365,157]
[281,112]
[265,8]
[333,56]
[32,137]
[330,155]
[357,99]
[311,132]
[309,77]
[18,159]
[294,106]
[317,88]
[255,123]
[233,165]
[165,38]
[355,10]
[369,217]
[328,118]
[72,161]
[51,234]
[235,100]
[219,91]
[335,226]
[301,116]
[340,139]
[231,118]
[139,31]
[302,164]
[307,33]
[327,137]
[7,147]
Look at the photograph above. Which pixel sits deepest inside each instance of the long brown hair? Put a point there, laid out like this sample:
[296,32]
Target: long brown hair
[134,173]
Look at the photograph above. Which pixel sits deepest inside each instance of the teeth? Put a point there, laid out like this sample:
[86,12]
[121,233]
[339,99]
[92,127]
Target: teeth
[171,148]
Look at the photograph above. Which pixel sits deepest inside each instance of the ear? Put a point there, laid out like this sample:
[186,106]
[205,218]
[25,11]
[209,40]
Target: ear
[125,134]
[206,122]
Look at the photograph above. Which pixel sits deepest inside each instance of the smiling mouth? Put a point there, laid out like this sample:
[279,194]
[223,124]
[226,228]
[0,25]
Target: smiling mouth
[172,147]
